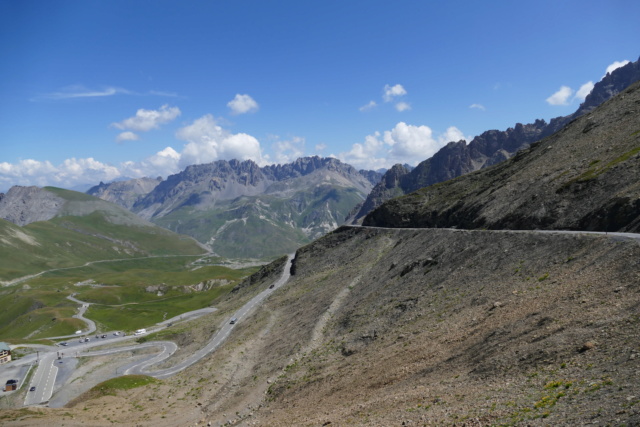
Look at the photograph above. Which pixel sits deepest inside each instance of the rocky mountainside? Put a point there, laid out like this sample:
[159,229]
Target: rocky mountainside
[381,327]
[491,147]
[584,177]
[24,205]
[124,193]
[242,210]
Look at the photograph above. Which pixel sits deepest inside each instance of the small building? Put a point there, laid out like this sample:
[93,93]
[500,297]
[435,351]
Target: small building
[5,353]
[11,385]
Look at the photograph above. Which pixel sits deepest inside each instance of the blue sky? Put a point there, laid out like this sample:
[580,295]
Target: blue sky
[99,90]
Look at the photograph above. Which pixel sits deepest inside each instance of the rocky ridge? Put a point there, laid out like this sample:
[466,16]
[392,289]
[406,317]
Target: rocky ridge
[584,177]
[493,146]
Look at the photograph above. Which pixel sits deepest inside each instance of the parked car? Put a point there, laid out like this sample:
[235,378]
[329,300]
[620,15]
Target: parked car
[64,344]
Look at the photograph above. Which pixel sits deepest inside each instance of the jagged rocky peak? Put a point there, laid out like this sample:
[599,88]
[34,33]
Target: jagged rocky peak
[24,205]
[495,146]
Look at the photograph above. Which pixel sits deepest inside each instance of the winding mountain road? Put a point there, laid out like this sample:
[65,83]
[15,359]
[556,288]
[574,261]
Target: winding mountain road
[45,376]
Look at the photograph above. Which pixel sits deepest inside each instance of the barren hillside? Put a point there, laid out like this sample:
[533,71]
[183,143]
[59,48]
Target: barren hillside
[384,327]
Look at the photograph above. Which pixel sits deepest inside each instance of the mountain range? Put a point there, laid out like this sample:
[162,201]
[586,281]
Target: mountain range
[585,177]
[241,209]
[490,147]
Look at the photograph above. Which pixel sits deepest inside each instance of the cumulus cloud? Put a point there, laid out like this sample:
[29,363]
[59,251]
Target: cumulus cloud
[391,92]
[68,174]
[320,147]
[403,144]
[452,134]
[403,106]
[242,104]
[584,90]
[287,151]
[145,120]
[127,136]
[477,107]
[561,97]
[207,142]
[615,65]
[367,107]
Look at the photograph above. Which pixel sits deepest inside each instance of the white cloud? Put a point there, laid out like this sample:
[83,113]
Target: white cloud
[403,144]
[69,173]
[287,151]
[403,106]
[367,107]
[452,134]
[477,107]
[145,120]
[127,136]
[207,142]
[561,97]
[615,65]
[584,90]
[78,91]
[320,147]
[391,92]
[242,104]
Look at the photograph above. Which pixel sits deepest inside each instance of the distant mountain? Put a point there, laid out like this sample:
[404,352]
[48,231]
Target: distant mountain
[243,210]
[491,147]
[124,193]
[46,228]
[584,177]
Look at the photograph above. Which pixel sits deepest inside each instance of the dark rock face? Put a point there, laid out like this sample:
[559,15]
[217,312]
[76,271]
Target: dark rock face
[494,146]
[585,177]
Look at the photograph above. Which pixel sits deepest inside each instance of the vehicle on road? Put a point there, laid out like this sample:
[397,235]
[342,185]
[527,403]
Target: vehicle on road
[103,336]
[233,321]
[140,332]
[64,344]
[32,388]
[271,287]
[78,332]
[116,333]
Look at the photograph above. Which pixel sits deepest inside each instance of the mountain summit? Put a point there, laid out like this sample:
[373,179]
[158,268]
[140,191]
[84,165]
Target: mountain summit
[584,177]
[493,146]
[243,210]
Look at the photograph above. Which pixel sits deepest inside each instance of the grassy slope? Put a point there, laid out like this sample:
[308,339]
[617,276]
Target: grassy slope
[72,241]
[41,309]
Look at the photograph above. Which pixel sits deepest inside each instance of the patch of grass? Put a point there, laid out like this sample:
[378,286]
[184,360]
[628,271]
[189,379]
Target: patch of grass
[127,382]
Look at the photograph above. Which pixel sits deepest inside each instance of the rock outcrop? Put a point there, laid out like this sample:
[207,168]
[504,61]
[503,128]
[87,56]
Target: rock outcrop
[24,205]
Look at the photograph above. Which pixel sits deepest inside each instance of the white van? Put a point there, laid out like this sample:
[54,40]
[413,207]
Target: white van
[140,332]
